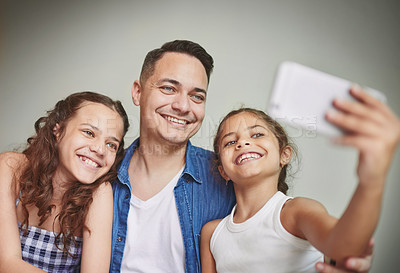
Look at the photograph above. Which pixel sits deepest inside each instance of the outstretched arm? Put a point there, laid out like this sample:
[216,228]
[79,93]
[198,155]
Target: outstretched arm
[96,250]
[374,130]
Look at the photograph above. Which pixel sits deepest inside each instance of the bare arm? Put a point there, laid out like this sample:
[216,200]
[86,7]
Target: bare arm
[207,259]
[375,131]
[10,244]
[96,251]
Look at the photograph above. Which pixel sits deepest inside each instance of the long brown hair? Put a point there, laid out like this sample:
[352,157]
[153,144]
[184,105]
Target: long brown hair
[276,129]
[36,186]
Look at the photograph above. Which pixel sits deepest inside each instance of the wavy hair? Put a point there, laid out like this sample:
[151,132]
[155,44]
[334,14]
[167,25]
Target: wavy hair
[276,129]
[36,186]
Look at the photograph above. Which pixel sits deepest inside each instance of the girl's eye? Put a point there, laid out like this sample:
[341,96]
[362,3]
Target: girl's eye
[89,133]
[256,135]
[229,143]
[112,146]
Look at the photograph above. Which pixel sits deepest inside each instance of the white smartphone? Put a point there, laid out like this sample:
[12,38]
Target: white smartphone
[301,96]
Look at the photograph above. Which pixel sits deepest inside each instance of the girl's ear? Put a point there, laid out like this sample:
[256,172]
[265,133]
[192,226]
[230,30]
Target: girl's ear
[286,155]
[56,131]
[223,173]
[136,91]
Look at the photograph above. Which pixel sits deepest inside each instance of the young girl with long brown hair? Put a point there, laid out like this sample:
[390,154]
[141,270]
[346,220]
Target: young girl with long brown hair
[55,196]
[269,231]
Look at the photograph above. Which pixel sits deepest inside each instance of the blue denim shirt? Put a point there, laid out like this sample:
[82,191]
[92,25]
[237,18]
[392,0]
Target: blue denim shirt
[200,195]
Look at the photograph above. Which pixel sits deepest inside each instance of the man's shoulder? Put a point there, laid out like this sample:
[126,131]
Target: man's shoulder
[199,151]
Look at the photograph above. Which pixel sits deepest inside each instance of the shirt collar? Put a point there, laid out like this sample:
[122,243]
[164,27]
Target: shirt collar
[192,166]
[123,174]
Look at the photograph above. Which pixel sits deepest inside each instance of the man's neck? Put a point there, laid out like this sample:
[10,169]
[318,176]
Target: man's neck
[153,166]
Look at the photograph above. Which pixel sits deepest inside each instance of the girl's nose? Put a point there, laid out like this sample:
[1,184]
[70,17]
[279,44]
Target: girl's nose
[242,143]
[97,148]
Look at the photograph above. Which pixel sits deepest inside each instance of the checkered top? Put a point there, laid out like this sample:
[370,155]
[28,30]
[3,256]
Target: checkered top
[39,249]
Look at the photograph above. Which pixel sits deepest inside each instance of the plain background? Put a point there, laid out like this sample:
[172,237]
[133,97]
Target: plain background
[49,49]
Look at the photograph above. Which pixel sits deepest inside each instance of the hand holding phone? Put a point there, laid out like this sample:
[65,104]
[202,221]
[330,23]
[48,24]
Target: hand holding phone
[302,95]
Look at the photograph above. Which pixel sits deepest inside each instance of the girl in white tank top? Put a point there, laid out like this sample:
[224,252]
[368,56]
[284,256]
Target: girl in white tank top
[268,231]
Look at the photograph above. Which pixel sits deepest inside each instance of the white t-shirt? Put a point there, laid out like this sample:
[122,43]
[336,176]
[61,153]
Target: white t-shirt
[154,240]
[261,244]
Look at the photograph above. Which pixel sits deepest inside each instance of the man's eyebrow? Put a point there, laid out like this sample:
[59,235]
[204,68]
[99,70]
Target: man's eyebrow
[97,129]
[201,90]
[175,82]
[172,81]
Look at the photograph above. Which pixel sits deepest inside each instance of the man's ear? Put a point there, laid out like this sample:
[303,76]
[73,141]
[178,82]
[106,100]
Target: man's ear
[56,131]
[223,173]
[136,92]
[286,155]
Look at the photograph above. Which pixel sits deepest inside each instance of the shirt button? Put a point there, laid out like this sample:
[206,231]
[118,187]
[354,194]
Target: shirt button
[127,196]
[119,239]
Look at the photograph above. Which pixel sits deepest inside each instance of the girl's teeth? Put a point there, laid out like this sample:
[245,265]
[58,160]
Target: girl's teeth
[248,156]
[90,162]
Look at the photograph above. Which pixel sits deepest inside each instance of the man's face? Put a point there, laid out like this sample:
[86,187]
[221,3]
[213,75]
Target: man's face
[172,100]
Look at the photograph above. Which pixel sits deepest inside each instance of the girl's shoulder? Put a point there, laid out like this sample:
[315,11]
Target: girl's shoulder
[301,205]
[12,160]
[103,188]
[12,164]
[209,228]
[298,210]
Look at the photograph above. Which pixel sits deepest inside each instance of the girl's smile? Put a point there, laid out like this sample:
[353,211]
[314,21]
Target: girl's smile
[245,157]
[248,148]
[89,145]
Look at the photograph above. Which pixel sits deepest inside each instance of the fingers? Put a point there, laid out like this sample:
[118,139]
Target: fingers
[353,123]
[370,249]
[362,264]
[366,117]
[353,264]
[359,264]
[326,268]
[359,94]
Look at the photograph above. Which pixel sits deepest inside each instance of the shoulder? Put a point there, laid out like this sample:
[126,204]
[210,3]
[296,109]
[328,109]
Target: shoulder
[102,204]
[12,164]
[299,210]
[103,190]
[209,228]
[199,151]
[11,167]
[12,160]
[302,205]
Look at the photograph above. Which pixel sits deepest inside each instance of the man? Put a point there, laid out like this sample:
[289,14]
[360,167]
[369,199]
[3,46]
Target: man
[166,189]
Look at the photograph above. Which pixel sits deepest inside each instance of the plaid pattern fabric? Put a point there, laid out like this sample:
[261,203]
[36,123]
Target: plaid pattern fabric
[39,249]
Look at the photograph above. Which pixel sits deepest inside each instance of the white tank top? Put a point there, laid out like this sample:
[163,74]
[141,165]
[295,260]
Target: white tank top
[154,240]
[261,244]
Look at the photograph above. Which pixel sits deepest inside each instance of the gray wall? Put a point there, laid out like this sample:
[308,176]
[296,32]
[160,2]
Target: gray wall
[49,49]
